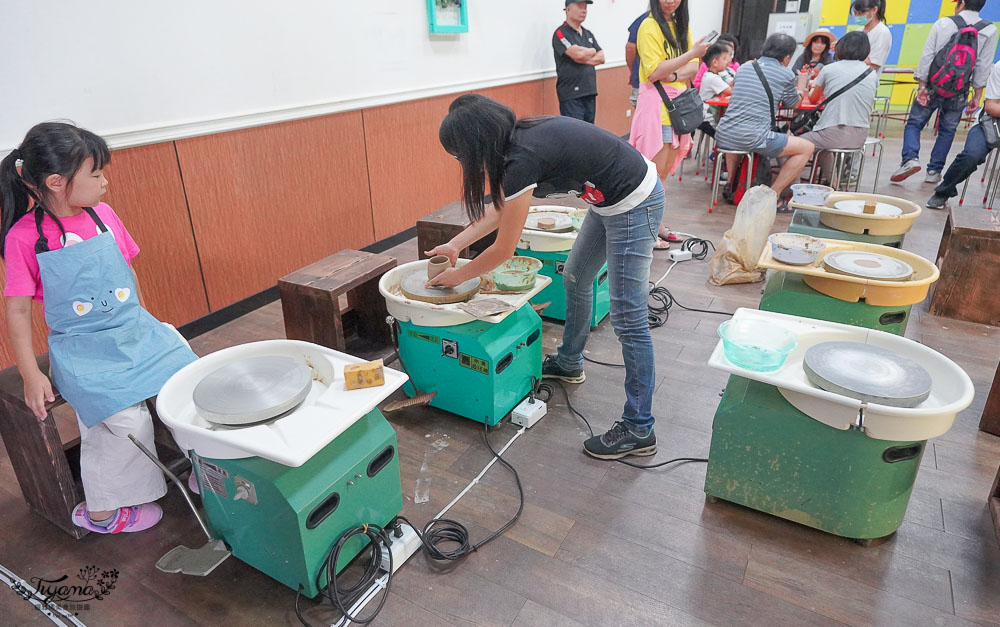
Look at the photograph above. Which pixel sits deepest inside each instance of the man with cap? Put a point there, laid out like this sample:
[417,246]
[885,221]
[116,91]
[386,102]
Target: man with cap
[577,53]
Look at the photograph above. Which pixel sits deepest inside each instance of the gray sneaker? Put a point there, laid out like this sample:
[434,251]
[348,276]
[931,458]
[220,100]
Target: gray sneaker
[619,441]
[933,176]
[905,171]
[552,370]
[937,202]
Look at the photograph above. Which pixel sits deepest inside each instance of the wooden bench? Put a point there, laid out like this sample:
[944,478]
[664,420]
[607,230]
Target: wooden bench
[442,225]
[335,302]
[48,468]
[969,260]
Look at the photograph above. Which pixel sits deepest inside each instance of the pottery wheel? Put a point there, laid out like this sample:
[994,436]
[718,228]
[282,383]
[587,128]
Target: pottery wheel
[867,373]
[413,284]
[563,221]
[867,265]
[858,206]
[252,390]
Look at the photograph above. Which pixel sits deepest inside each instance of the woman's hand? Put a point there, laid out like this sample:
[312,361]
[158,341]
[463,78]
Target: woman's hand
[447,249]
[38,390]
[699,49]
[449,278]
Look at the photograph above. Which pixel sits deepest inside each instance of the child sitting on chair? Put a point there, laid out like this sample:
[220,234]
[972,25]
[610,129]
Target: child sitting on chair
[717,82]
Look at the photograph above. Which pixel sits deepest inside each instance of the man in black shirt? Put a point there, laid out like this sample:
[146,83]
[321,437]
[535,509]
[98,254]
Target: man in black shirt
[577,52]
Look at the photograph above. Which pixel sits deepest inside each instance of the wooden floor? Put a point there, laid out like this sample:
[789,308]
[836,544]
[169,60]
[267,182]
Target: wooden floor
[600,543]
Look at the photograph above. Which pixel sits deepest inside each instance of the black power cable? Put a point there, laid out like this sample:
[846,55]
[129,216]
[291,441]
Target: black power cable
[343,597]
[548,390]
[435,534]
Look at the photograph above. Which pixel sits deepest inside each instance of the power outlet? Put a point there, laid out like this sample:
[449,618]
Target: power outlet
[679,255]
[528,412]
[402,548]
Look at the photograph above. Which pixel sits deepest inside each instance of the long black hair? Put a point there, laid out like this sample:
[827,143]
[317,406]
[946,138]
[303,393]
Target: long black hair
[679,44]
[48,148]
[868,5]
[478,132]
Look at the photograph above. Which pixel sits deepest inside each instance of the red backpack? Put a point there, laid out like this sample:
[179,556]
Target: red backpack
[953,64]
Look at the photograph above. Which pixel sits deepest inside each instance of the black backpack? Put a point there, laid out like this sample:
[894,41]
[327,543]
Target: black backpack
[953,64]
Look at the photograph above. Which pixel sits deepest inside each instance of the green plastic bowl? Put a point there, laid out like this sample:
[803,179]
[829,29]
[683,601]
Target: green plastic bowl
[577,217]
[756,345]
[517,274]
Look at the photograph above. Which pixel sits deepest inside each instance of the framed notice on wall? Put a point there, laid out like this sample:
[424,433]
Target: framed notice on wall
[448,16]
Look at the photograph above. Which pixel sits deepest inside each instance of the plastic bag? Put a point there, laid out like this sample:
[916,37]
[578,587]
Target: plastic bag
[735,260]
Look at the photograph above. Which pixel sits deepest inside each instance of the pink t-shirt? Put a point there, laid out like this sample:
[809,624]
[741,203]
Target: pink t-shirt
[19,250]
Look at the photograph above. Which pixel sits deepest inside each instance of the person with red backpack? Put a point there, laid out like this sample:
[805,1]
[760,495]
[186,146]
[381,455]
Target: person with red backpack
[958,55]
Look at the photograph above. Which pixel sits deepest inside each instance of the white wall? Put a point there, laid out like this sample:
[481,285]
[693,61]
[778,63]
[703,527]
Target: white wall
[139,72]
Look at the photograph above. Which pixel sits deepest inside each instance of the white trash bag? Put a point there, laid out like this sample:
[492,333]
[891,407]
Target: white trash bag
[735,260]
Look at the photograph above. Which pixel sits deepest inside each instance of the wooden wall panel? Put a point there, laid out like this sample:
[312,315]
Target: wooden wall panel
[613,90]
[550,101]
[268,200]
[411,174]
[146,191]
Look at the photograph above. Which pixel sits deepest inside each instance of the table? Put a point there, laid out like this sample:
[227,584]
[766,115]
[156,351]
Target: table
[969,260]
[724,103]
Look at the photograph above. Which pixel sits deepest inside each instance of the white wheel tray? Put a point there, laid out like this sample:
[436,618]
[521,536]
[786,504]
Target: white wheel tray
[328,410]
[951,391]
[542,242]
[430,315]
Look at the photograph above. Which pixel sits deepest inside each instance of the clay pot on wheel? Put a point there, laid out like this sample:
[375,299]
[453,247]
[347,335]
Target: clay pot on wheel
[436,265]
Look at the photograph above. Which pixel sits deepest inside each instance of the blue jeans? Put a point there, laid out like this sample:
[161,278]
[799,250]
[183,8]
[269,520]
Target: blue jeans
[951,115]
[625,241]
[971,157]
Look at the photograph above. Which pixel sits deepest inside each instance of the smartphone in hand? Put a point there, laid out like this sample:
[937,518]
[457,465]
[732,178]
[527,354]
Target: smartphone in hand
[709,38]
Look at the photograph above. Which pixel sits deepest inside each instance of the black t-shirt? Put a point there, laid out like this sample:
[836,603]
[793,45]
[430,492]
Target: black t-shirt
[575,80]
[563,155]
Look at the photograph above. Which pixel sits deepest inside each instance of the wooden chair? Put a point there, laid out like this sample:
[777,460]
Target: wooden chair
[48,468]
[336,301]
[440,226]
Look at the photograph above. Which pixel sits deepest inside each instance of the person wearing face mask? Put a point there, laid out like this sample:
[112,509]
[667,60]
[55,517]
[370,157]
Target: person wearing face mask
[870,16]
[944,75]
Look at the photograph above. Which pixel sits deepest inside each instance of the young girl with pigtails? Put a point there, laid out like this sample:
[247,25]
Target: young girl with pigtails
[66,249]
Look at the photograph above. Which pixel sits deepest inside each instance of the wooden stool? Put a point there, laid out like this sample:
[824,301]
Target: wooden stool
[335,294]
[990,422]
[969,260]
[441,226]
[48,469]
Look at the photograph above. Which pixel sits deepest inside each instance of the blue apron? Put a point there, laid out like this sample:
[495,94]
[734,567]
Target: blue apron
[106,352]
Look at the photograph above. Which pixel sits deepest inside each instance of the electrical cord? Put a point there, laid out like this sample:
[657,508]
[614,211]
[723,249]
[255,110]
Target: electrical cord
[548,390]
[435,535]
[698,247]
[343,597]
[440,532]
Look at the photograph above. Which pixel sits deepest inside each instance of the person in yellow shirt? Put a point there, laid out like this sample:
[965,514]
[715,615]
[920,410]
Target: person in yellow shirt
[665,55]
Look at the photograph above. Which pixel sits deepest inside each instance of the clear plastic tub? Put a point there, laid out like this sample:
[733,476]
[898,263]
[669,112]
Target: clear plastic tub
[755,344]
[811,194]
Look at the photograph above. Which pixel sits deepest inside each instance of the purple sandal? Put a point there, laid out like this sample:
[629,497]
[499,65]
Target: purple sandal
[125,519]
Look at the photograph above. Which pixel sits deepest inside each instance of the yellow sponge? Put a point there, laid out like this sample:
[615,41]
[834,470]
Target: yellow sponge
[365,375]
